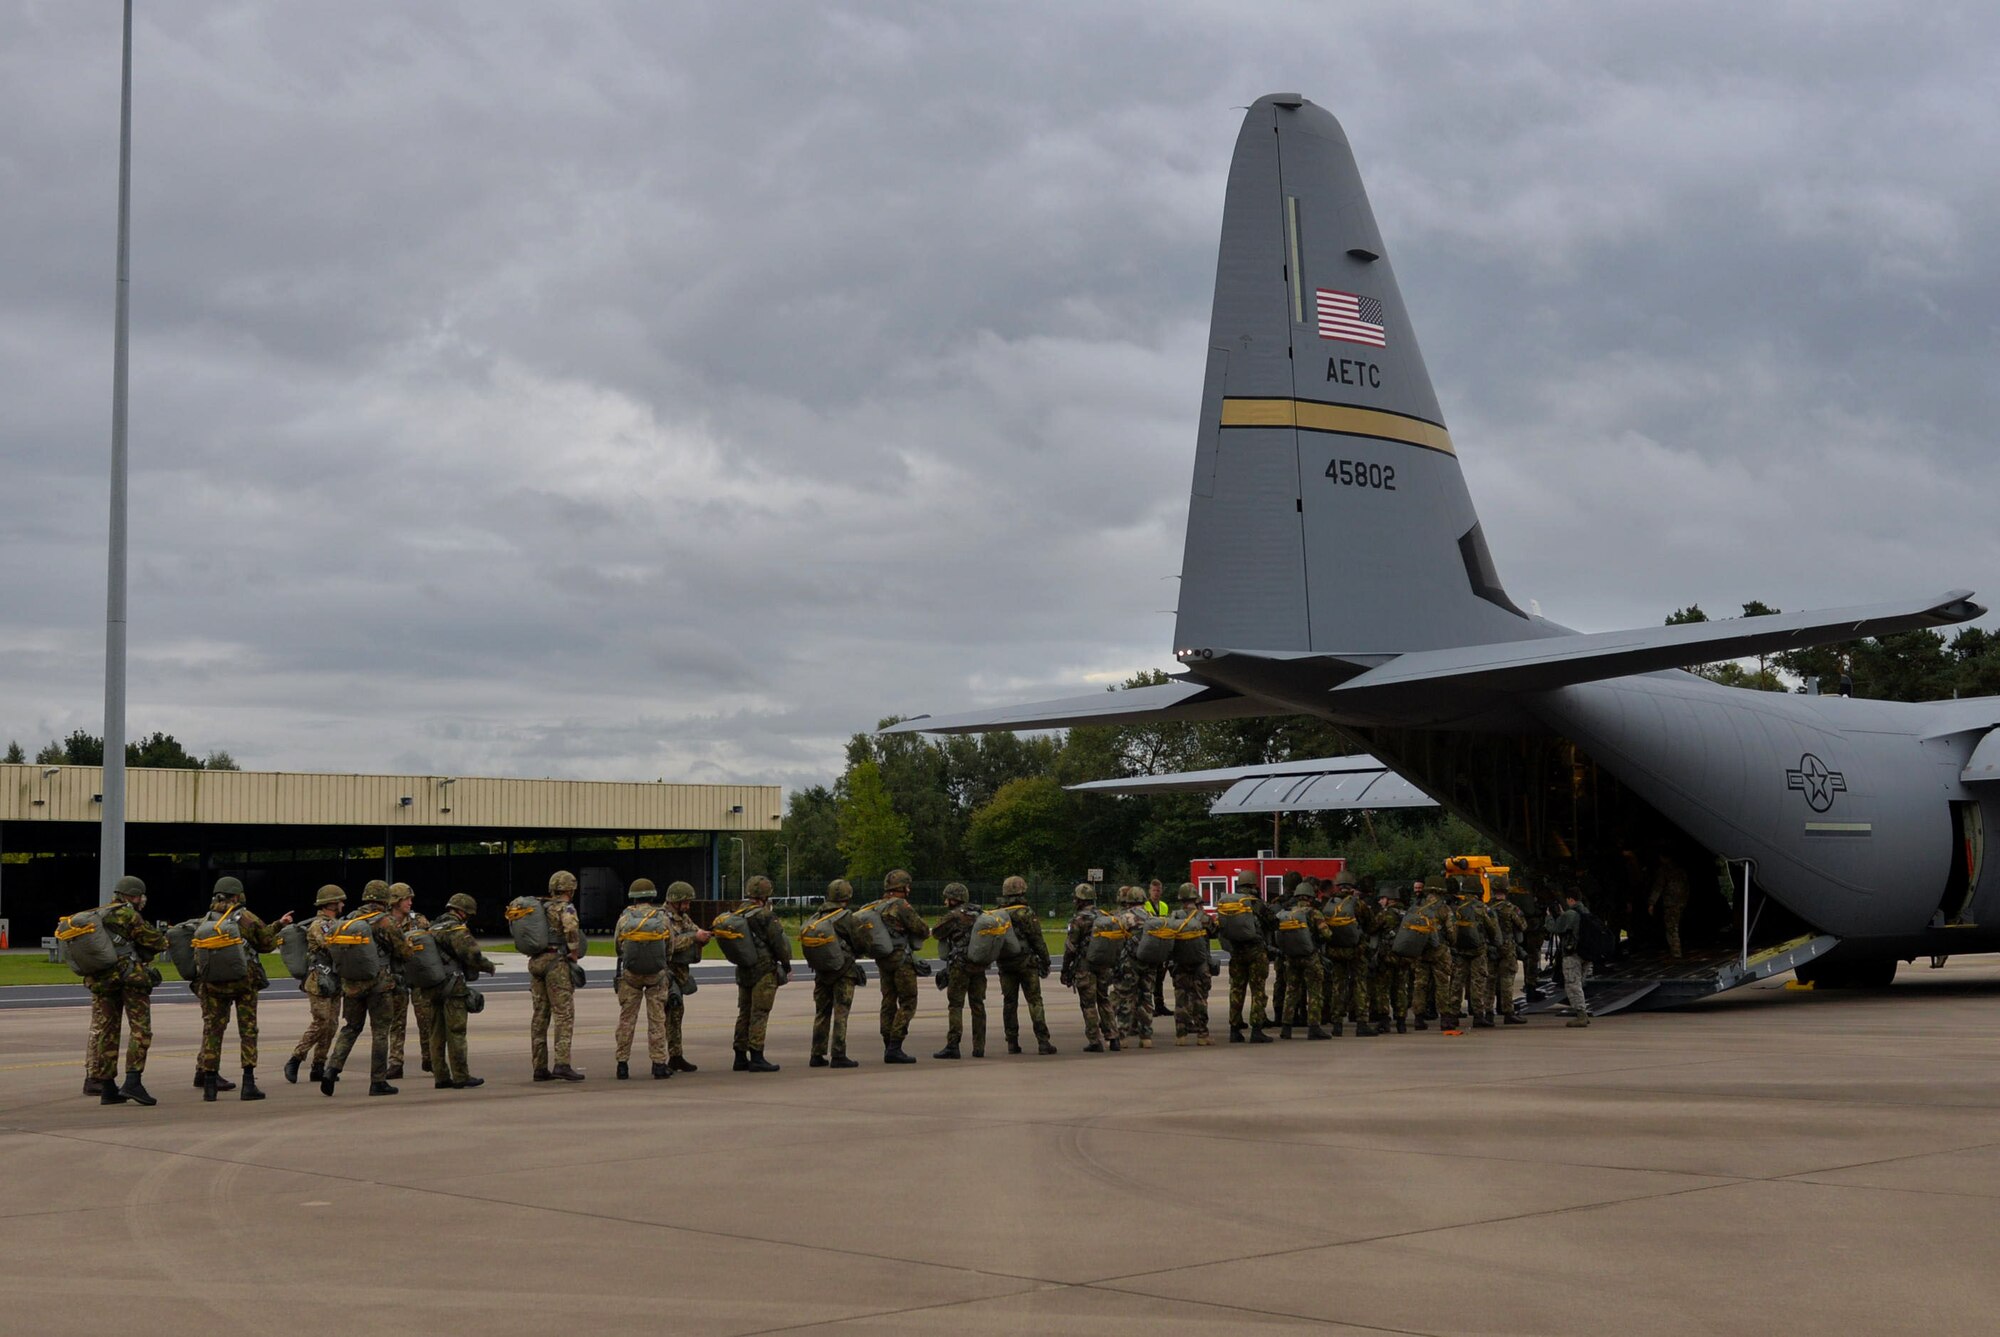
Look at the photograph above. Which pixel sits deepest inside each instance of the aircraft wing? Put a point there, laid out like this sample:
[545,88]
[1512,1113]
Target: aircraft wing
[1177,700]
[1558,661]
[1316,784]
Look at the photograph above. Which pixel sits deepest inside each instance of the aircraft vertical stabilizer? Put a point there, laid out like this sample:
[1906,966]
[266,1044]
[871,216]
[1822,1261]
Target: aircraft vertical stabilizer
[1328,509]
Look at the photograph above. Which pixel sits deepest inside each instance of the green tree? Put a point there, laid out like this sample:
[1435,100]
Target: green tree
[219,760]
[161,751]
[874,838]
[1026,828]
[15,756]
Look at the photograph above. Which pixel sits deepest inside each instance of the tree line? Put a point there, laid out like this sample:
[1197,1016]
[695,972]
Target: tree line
[161,750]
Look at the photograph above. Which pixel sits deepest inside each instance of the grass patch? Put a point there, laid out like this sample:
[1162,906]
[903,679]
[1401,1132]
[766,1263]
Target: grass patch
[23,968]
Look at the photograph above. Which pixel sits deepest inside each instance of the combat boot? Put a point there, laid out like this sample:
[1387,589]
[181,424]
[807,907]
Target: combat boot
[1236,1035]
[1421,1024]
[742,1063]
[326,1083]
[250,1091]
[893,1053]
[427,1066]
[979,1051]
[1258,1037]
[443,1084]
[1094,1047]
[1013,1046]
[816,1061]
[1203,1040]
[221,1083]
[318,1071]
[1112,1044]
[135,1090]
[949,1051]
[1399,1026]
[210,1084]
[661,1072]
[1337,1031]
[467,1083]
[1285,1031]
[292,1070]
[1362,1030]
[842,1061]
[1319,1033]
[394,1073]
[543,1075]
[1448,1022]
[563,1072]
[1513,1019]
[1041,1047]
[108,1092]
[679,1064]
[1483,1023]
[624,1070]
[93,1086]
[758,1063]
[1581,1019]
[380,1088]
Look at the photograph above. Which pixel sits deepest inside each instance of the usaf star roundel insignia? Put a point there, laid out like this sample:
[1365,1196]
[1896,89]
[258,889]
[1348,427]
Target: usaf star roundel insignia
[1816,782]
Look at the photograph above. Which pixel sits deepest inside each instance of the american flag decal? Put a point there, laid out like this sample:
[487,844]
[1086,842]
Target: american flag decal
[1350,318]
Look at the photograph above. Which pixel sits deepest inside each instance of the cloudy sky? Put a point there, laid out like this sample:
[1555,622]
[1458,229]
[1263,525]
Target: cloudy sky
[670,390]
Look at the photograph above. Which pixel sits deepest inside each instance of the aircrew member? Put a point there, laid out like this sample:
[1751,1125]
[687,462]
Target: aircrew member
[322,989]
[1023,976]
[1092,985]
[233,920]
[964,982]
[453,936]
[757,984]
[898,970]
[123,994]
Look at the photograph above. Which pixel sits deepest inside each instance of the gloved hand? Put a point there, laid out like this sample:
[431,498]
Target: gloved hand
[942,981]
[1044,974]
[923,968]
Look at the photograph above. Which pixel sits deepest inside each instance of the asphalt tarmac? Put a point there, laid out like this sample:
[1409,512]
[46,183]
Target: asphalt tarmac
[1764,1161]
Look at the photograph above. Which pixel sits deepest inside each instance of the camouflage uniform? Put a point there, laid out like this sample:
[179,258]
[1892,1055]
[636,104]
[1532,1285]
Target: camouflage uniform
[1023,976]
[1249,971]
[1389,975]
[321,988]
[123,995]
[447,1011]
[1305,976]
[1347,968]
[1191,981]
[553,987]
[1470,979]
[833,993]
[405,999]
[1132,983]
[1511,925]
[217,999]
[964,982]
[683,950]
[643,988]
[898,971]
[1093,986]
[368,1000]
[757,985]
[1433,971]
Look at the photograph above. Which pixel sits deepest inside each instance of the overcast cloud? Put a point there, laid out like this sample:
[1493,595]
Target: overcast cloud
[645,390]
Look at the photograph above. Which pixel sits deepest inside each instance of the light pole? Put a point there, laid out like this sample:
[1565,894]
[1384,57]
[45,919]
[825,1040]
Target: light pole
[111,833]
[788,868]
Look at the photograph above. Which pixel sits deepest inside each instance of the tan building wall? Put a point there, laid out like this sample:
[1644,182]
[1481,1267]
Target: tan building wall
[283,798]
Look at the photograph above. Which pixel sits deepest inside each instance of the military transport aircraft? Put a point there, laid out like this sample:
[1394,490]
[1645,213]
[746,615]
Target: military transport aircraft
[1334,566]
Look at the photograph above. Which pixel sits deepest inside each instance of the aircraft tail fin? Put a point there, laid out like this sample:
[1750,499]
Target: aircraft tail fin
[1328,509]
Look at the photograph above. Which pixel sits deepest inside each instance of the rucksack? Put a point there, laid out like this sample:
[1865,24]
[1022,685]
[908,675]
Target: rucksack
[1467,934]
[1107,941]
[427,967]
[876,936]
[1191,938]
[352,946]
[87,943]
[295,949]
[642,936]
[1343,924]
[220,956]
[1014,946]
[180,948]
[1596,941]
[741,943]
[1237,918]
[987,942]
[528,923]
[1153,938]
[1415,934]
[825,948]
[1295,932]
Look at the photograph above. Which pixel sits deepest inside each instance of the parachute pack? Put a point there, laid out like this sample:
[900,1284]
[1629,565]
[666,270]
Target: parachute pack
[823,945]
[991,933]
[180,948]
[1343,924]
[740,941]
[352,945]
[87,942]
[295,949]
[1237,917]
[428,966]
[1190,938]
[642,936]
[1153,939]
[1296,938]
[1415,934]
[1467,933]
[528,925]
[220,954]
[876,936]
[1107,940]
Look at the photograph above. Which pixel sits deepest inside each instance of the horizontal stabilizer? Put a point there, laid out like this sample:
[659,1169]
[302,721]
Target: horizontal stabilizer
[1179,701]
[1315,784]
[1558,661]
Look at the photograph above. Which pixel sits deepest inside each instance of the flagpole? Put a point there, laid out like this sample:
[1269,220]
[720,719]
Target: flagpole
[111,842]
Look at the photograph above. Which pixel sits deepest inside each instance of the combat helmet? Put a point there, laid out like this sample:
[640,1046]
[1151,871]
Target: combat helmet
[642,889]
[1084,892]
[227,889]
[955,893]
[679,891]
[561,881]
[462,903]
[329,895]
[1187,893]
[1014,891]
[128,887]
[839,891]
[376,893]
[758,888]
[1131,895]
[897,880]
